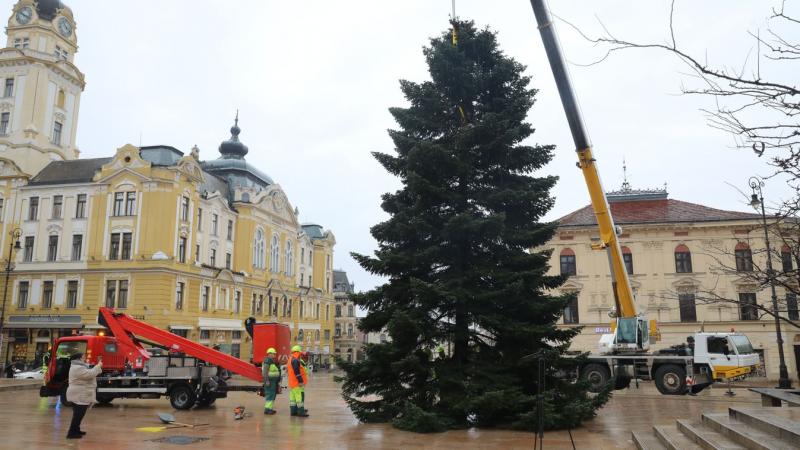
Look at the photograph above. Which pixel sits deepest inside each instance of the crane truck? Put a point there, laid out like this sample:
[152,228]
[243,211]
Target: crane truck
[187,372]
[624,354]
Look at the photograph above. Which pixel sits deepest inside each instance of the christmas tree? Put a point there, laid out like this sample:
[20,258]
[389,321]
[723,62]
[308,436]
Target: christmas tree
[468,306]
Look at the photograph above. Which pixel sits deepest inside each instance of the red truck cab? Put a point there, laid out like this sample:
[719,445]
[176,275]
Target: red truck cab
[91,346]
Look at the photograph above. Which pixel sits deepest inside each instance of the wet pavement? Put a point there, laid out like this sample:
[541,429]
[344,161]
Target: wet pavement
[28,422]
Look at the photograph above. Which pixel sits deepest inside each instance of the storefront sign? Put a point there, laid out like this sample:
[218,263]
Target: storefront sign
[44,321]
[602,330]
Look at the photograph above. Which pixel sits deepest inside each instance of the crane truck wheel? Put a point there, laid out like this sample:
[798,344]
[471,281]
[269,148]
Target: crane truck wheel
[182,397]
[671,379]
[596,375]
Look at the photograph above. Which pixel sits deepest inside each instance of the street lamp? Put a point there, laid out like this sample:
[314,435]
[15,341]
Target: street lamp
[756,200]
[14,245]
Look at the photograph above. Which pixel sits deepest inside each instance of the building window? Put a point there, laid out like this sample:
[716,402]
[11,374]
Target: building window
[214,224]
[111,293]
[786,259]
[33,208]
[5,118]
[274,261]
[80,206]
[9,90]
[350,311]
[119,198]
[1,209]
[47,295]
[688,309]
[289,259]
[316,314]
[349,330]
[744,258]
[571,310]
[182,250]
[338,311]
[22,298]
[185,209]
[197,253]
[228,261]
[230,230]
[77,246]
[204,300]
[123,294]
[568,262]
[222,298]
[58,203]
[747,306]
[57,133]
[28,254]
[179,295]
[627,259]
[199,219]
[130,203]
[259,249]
[327,335]
[791,307]
[60,53]
[212,257]
[182,333]
[683,259]
[21,43]
[114,249]
[337,330]
[52,248]
[72,294]
[237,303]
[302,309]
[236,335]
[205,335]
[327,312]
[302,255]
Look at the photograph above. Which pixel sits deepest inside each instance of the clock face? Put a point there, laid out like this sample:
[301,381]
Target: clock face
[64,27]
[24,15]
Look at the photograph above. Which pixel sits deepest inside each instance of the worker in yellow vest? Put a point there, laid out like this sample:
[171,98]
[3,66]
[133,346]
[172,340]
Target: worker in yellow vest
[271,373]
[298,379]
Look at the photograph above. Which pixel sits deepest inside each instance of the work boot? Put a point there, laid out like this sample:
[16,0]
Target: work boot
[293,410]
[301,412]
[269,412]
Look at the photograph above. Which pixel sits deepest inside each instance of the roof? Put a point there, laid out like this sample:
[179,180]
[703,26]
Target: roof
[214,183]
[161,155]
[72,171]
[340,282]
[313,230]
[654,211]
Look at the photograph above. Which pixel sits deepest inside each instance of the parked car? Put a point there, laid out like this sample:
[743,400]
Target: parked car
[37,374]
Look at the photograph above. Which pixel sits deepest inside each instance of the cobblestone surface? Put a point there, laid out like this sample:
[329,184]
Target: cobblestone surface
[32,423]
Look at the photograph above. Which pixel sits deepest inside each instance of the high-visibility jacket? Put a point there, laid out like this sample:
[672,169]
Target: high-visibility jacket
[269,368]
[297,371]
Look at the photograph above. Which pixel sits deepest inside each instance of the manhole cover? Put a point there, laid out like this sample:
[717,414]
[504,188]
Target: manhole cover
[179,440]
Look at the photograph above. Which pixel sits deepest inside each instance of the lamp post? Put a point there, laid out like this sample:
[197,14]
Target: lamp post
[14,245]
[756,200]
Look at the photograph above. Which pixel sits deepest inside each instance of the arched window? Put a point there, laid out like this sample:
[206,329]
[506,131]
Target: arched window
[744,257]
[683,259]
[568,262]
[275,260]
[786,259]
[289,259]
[259,250]
[627,258]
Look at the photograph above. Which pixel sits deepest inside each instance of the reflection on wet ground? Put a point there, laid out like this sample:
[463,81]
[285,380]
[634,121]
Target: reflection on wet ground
[29,422]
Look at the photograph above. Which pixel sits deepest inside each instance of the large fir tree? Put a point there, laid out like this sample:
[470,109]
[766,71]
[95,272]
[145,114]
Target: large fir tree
[466,302]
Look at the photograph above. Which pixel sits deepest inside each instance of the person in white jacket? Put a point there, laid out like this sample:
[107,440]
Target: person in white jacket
[81,391]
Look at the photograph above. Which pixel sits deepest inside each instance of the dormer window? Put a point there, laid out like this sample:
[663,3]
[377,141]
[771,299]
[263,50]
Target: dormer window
[21,43]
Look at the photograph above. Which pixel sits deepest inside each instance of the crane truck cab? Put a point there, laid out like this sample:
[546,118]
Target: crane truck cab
[725,355]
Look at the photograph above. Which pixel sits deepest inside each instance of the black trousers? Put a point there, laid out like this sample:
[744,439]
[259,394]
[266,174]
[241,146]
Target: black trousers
[78,411]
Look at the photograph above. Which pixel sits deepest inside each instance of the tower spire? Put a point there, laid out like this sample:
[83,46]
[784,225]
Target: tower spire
[625,185]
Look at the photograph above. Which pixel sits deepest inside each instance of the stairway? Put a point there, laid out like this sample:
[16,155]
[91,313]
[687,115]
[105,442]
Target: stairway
[741,428]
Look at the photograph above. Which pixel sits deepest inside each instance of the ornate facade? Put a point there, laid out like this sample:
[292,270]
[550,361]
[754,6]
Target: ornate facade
[193,246]
[345,335]
[675,254]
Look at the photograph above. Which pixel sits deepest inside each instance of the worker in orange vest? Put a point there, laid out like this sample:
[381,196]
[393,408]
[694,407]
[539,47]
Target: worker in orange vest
[297,381]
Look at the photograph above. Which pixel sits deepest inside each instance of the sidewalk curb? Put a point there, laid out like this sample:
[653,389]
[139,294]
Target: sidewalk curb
[19,387]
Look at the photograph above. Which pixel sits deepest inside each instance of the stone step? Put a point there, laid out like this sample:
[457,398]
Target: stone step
[744,434]
[673,439]
[644,440]
[706,437]
[770,422]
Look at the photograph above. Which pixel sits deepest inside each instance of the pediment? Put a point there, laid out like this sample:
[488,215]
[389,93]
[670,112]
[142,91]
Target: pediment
[189,167]
[9,169]
[686,285]
[571,286]
[126,159]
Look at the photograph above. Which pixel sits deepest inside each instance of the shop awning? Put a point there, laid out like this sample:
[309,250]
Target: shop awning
[44,321]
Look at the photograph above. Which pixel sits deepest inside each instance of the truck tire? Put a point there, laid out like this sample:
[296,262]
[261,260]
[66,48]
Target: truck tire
[182,397]
[671,379]
[597,375]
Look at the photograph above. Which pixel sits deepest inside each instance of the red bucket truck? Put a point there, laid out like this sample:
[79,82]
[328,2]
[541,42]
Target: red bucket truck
[142,361]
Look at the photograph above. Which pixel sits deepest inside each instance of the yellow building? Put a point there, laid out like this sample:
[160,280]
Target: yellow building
[188,245]
[676,254]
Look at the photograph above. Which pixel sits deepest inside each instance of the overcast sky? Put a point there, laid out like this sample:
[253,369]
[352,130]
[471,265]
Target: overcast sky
[313,81]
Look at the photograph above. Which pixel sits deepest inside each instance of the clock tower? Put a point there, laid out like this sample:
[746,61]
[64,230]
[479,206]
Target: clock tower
[40,87]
